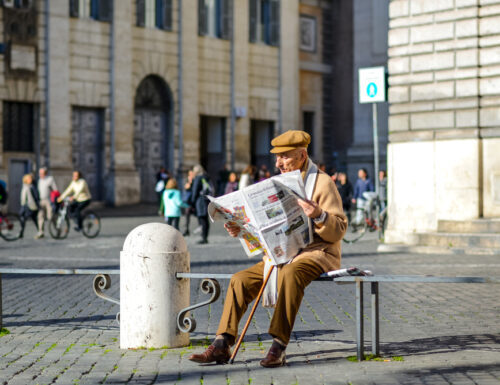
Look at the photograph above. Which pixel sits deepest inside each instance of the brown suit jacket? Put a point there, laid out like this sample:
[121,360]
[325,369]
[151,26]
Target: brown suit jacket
[325,249]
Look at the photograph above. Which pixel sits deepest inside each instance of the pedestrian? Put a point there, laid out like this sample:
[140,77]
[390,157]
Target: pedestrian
[79,196]
[345,191]
[382,177]
[162,177]
[201,188]
[30,202]
[322,255]
[172,203]
[362,186]
[4,195]
[46,185]
[263,173]
[246,177]
[186,197]
[232,183]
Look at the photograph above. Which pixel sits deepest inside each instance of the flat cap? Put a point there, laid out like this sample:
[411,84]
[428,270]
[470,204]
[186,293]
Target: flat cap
[290,140]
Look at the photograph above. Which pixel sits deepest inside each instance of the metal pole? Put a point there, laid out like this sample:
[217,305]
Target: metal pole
[376,166]
[111,173]
[280,78]
[360,335]
[233,117]
[47,90]
[375,319]
[180,93]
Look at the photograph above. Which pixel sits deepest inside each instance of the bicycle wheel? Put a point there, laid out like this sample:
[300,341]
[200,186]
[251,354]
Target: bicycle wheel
[10,227]
[356,225]
[59,227]
[91,224]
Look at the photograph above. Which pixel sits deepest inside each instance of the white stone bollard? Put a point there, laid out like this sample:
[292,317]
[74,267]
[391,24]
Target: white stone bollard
[150,294]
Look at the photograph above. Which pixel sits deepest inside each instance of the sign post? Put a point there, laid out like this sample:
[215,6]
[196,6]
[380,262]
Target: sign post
[372,89]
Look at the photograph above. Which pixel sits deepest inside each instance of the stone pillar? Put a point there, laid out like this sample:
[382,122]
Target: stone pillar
[59,108]
[127,181]
[150,294]
[443,125]
[289,41]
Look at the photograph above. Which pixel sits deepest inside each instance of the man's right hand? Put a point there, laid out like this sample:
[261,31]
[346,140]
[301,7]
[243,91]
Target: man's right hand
[232,228]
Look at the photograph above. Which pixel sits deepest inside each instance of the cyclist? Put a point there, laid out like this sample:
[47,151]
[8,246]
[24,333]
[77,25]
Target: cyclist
[360,198]
[80,197]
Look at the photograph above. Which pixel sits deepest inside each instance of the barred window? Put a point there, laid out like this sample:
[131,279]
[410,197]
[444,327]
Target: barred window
[18,131]
[215,18]
[101,10]
[155,14]
[264,21]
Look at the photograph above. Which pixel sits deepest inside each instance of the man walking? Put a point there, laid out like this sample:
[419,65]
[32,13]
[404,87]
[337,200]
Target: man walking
[324,207]
[46,185]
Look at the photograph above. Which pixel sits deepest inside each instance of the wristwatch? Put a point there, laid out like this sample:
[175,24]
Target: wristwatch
[321,219]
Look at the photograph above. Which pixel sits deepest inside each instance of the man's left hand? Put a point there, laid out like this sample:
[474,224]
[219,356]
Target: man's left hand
[311,209]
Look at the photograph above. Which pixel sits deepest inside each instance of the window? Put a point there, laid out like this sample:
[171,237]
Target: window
[264,21]
[154,14]
[95,9]
[18,129]
[20,4]
[215,18]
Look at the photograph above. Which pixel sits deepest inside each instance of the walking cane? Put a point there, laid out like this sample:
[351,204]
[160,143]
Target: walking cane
[235,351]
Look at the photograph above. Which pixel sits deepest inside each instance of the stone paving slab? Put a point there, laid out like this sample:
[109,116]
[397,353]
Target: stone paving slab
[61,333]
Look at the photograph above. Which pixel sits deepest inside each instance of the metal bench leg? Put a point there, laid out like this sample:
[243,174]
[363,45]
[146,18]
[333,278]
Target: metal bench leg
[375,320]
[359,321]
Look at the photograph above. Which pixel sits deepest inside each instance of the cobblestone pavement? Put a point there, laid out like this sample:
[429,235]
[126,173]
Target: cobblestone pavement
[61,333]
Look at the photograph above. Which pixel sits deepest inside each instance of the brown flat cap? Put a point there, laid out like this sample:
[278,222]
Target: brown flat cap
[290,140]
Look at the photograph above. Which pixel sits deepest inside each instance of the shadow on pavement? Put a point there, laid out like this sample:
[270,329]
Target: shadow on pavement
[75,322]
[444,344]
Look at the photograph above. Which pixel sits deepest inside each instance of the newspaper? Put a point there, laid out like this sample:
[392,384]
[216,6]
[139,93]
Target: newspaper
[271,221]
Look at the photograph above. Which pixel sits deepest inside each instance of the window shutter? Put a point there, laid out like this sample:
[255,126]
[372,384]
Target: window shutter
[167,10]
[105,11]
[253,4]
[74,8]
[202,18]
[274,25]
[141,13]
[227,19]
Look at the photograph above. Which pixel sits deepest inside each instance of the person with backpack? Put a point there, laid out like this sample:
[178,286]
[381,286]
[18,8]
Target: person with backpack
[201,188]
[30,202]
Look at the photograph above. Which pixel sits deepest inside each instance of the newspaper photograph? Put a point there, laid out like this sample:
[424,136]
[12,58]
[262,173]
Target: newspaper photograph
[270,219]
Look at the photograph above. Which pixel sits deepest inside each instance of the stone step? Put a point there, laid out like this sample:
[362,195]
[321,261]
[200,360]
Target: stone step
[479,226]
[438,250]
[464,240]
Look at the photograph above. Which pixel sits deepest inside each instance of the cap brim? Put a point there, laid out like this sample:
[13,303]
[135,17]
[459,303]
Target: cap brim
[279,150]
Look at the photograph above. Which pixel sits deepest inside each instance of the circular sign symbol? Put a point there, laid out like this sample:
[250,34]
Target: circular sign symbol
[371,90]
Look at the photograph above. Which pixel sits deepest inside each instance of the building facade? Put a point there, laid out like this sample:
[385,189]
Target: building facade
[118,89]
[444,124]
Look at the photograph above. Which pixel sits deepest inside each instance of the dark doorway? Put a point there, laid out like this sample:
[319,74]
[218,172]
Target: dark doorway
[261,132]
[308,122]
[213,145]
[153,144]
[88,147]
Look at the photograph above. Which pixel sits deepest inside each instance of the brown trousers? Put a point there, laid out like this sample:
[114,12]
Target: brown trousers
[245,285]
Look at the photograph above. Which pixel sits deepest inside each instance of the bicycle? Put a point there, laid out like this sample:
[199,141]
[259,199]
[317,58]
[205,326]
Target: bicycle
[60,223]
[360,219]
[10,226]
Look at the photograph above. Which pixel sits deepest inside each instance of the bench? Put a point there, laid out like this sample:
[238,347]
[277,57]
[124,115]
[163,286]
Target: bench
[210,285]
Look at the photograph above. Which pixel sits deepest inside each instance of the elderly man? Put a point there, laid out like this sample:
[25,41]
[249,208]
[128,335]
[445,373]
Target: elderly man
[324,207]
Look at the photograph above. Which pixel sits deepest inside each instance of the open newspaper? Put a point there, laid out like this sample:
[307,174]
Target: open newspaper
[270,219]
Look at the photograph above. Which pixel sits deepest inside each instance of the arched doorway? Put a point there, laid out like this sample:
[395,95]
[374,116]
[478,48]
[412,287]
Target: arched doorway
[153,144]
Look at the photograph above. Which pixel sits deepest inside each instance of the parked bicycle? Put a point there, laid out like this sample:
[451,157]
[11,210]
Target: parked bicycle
[10,226]
[361,219]
[60,222]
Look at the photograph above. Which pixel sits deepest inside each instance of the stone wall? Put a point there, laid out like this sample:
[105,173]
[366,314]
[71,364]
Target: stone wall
[444,95]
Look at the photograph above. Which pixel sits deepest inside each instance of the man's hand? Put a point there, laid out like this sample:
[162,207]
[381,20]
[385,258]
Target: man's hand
[232,228]
[311,209]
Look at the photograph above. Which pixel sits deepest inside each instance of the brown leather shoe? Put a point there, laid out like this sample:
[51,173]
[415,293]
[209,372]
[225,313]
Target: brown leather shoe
[219,355]
[275,357]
